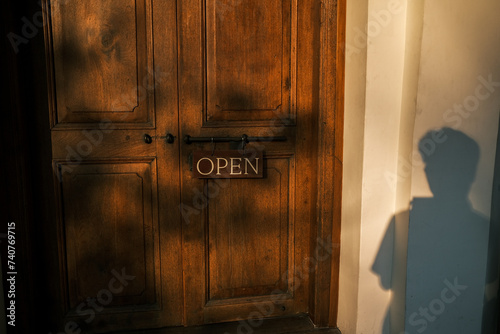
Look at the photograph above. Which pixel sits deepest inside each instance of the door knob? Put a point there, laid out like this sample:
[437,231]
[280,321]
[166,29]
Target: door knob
[169,138]
[148,139]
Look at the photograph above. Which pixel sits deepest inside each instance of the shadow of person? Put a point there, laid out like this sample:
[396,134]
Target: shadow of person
[447,244]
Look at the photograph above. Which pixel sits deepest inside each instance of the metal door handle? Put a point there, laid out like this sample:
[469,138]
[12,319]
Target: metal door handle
[244,138]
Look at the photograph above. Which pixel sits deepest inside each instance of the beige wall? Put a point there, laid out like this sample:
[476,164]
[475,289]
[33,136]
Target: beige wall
[375,57]
[461,44]
[416,61]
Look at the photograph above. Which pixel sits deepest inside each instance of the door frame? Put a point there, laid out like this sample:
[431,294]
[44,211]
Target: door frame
[33,106]
[330,159]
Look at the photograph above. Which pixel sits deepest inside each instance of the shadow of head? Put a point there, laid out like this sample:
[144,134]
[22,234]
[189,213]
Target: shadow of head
[451,159]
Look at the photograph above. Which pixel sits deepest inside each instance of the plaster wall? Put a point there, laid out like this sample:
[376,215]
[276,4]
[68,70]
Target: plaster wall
[405,71]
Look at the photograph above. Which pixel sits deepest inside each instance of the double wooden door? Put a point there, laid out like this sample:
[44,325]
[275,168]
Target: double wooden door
[141,243]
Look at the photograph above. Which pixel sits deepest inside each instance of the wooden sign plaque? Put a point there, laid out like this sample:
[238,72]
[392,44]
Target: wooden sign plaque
[228,165]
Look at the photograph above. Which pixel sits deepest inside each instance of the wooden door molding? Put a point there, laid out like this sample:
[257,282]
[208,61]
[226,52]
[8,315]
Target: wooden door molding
[331,126]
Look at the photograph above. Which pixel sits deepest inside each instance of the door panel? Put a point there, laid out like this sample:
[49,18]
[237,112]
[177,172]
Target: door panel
[104,233]
[250,51]
[102,61]
[251,223]
[109,254]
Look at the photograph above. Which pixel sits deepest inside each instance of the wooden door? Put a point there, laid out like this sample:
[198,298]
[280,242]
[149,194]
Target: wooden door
[141,243]
[247,67]
[119,226]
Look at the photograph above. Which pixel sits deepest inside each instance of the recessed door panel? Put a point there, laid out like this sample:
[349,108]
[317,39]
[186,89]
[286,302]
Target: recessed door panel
[108,221]
[101,61]
[250,52]
[250,226]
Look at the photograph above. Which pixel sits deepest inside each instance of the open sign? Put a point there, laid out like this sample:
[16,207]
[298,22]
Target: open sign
[227,165]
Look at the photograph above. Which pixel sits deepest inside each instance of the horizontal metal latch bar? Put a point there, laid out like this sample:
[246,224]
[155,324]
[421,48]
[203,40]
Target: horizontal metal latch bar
[244,138]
